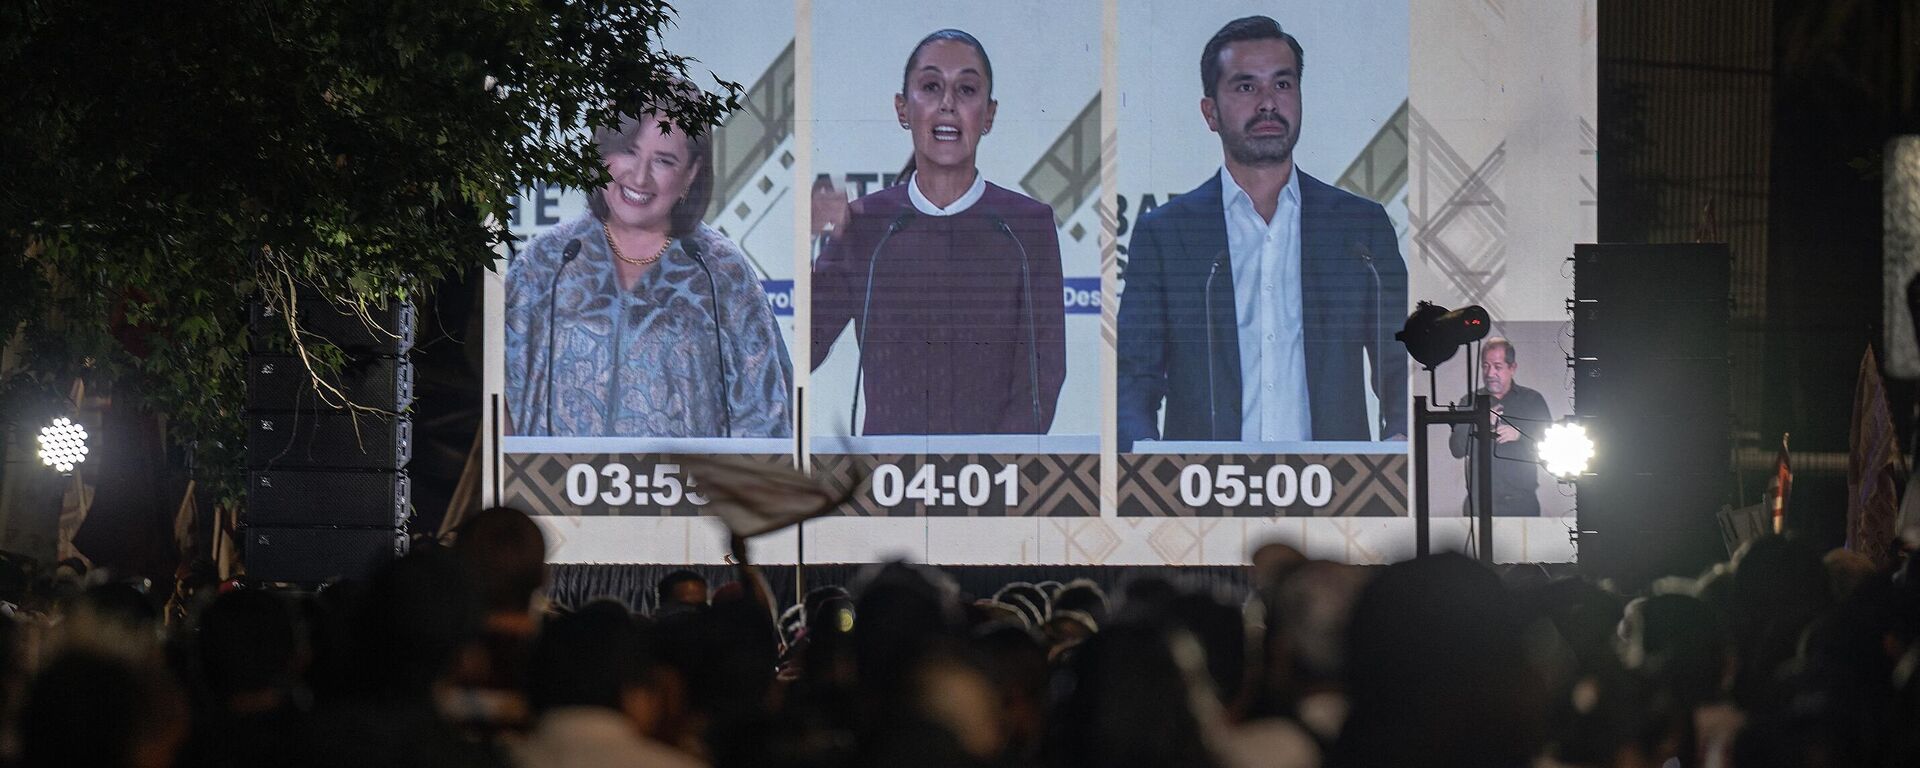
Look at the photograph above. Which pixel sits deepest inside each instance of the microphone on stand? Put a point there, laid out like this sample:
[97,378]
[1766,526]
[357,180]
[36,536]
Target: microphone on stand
[567,255]
[1213,408]
[1033,344]
[719,347]
[1359,249]
[860,362]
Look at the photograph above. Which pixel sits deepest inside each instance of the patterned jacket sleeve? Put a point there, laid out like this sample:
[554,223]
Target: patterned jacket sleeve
[527,287]
[759,370]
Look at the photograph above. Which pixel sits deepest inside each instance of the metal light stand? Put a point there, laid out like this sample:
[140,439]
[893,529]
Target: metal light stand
[1480,417]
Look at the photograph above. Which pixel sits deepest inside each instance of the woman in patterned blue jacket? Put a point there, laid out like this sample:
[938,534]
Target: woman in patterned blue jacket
[659,326]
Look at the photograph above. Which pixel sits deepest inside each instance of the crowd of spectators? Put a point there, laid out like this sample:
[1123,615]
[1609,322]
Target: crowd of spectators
[451,657]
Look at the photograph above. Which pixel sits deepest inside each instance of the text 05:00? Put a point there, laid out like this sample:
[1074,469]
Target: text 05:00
[615,485]
[1229,485]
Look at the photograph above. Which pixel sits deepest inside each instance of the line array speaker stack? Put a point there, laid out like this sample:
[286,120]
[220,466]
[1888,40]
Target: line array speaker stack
[327,496]
[1651,384]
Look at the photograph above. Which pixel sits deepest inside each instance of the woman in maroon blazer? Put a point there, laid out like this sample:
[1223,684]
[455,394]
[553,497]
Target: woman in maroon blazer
[951,284]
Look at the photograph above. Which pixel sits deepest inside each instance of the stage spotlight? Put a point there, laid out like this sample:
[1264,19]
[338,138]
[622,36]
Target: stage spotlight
[1565,449]
[63,444]
[1432,333]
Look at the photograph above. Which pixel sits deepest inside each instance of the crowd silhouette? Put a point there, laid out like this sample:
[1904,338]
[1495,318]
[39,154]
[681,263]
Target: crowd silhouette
[1784,656]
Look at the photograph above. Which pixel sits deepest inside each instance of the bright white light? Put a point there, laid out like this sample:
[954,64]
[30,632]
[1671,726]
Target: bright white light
[63,444]
[1566,449]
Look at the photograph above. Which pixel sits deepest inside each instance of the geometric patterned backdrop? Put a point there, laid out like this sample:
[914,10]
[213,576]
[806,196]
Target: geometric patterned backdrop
[1459,224]
[1902,247]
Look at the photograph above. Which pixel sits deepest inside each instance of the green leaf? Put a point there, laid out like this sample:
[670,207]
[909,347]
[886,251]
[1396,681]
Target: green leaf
[149,157]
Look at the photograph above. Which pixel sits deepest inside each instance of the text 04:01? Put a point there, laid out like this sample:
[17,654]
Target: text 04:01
[1229,485]
[972,486]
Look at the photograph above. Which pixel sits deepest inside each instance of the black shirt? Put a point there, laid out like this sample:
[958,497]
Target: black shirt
[1515,464]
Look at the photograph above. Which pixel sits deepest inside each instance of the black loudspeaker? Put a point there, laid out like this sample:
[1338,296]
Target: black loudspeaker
[1644,273]
[391,331]
[1651,329]
[282,383]
[1652,385]
[327,498]
[318,555]
[1673,388]
[282,497]
[328,439]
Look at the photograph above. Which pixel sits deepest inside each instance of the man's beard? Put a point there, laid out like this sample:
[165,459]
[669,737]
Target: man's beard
[1247,149]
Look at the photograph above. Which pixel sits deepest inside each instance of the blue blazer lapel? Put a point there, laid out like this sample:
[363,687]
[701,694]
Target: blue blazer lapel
[1319,251]
[1331,289]
[1208,238]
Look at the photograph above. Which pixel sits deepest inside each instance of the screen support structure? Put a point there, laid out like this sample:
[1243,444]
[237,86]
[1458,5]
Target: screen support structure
[1480,417]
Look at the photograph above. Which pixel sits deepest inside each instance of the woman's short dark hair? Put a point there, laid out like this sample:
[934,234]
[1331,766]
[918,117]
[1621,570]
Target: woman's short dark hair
[954,35]
[1241,30]
[688,211]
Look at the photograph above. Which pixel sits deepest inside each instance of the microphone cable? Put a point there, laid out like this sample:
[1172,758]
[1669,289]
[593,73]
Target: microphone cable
[860,360]
[571,252]
[1213,407]
[1361,250]
[719,346]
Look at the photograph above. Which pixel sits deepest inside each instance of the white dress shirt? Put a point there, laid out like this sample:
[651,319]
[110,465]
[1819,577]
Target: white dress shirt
[957,207]
[1265,256]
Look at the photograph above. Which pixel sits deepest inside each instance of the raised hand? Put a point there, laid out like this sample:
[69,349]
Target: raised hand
[829,208]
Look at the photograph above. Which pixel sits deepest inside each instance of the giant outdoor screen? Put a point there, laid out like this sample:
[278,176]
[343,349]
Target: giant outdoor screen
[1073,282]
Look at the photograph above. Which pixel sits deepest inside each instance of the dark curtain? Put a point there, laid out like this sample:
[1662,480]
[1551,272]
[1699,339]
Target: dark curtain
[574,585]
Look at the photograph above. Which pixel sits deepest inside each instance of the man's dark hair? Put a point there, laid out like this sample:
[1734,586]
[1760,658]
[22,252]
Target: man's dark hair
[124,603]
[408,627]
[248,641]
[1241,30]
[1128,700]
[87,708]
[1014,658]
[725,656]
[903,610]
[1217,625]
[1497,342]
[1436,670]
[663,592]
[590,658]
[1684,648]
[508,556]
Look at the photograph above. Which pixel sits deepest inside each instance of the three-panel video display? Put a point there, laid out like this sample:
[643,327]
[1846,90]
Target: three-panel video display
[1061,282]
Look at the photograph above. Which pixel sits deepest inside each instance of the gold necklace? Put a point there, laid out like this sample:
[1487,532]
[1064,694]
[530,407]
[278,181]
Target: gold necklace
[615,245]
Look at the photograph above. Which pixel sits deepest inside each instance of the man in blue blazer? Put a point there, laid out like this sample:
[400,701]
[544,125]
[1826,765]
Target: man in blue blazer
[1254,302]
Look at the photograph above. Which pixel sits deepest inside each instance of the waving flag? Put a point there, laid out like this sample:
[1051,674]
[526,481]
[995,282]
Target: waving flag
[1875,468]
